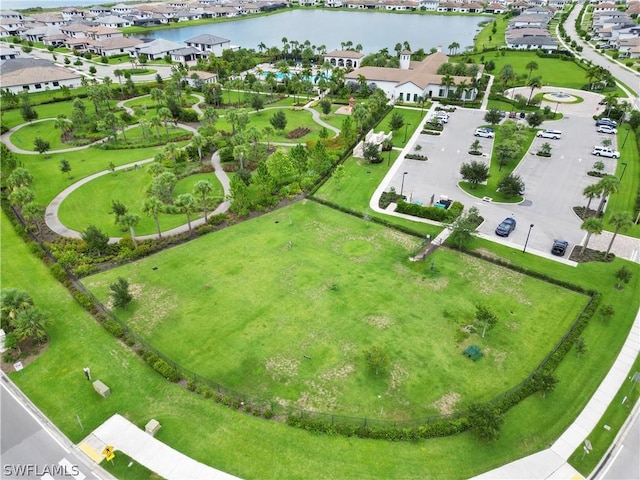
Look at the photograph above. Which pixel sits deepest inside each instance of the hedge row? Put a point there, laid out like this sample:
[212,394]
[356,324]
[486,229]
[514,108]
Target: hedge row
[432,213]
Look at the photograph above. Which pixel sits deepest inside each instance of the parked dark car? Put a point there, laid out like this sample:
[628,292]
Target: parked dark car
[507,226]
[559,247]
[512,114]
[523,114]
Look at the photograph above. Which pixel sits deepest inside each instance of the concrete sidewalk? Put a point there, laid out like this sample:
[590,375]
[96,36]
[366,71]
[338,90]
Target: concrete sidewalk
[146,450]
[552,462]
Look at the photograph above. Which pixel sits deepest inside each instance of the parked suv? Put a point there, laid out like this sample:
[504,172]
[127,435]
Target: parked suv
[600,151]
[606,121]
[507,226]
[485,132]
[606,129]
[559,247]
[555,134]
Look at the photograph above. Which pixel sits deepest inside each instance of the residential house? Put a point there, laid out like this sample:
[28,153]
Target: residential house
[115,45]
[413,81]
[209,43]
[32,75]
[113,21]
[335,3]
[11,15]
[156,49]
[121,9]
[103,33]
[196,78]
[546,43]
[12,26]
[8,53]
[99,11]
[72,14]
[186,54]
[50,19]
[605,7]
[495,8]
[37,34]
[428,5]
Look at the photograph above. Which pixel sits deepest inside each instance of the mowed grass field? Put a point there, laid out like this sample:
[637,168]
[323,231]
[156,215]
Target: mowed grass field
[340,286]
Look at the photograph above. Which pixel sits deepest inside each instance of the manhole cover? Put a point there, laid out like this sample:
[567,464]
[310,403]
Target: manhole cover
[526,203]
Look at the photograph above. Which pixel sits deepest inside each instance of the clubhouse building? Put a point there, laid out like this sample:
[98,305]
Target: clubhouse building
[415,80]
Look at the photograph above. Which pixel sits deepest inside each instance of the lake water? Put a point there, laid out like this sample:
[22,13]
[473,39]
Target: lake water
[373,30]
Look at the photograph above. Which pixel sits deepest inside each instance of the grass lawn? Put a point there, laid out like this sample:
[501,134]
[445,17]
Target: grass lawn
[128,187]
[259,344]
[295,119]
[615,416]
[552,71]
[487,39]
[358,185]
[227,438]
[49,181]
[625,199]
[13,118]
[134,136]
[24,137]
[497,173]
[412,118]
[333,119]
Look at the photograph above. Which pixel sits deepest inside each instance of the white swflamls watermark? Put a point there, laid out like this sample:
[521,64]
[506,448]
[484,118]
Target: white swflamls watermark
[17,470]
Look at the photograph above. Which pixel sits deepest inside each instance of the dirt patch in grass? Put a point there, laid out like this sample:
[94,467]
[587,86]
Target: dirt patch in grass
[319,398]
[159,305]
[435,284]
[492,255]
[338,373]
[498,356]
[379,321]
[446,404]
[398,376]
[494,278]
[282,368]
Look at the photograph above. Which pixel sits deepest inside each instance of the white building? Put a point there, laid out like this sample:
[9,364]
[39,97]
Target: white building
[34,75]
[209,43]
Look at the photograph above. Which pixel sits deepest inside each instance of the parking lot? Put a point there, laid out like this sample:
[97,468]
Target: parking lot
[552,185]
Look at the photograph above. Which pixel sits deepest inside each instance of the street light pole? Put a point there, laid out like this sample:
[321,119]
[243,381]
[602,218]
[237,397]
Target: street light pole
[402,186]
[624,168]
[527,240]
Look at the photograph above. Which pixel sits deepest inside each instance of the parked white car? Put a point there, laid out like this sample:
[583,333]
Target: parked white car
[606,129]
[485,132]
[600,151]
[442,115]
[554,134]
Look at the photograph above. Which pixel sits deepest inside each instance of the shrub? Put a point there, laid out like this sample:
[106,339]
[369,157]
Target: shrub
[166,370]
[113,327]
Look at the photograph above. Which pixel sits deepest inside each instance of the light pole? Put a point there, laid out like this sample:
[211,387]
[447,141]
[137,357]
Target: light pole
[624,167]
[402,186]
[556,112]
[527,240]
[406,127]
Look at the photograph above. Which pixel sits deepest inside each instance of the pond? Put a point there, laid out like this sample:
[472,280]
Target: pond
[373,30]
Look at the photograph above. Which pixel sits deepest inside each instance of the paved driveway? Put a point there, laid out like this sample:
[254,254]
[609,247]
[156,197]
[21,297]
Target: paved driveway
[553,185]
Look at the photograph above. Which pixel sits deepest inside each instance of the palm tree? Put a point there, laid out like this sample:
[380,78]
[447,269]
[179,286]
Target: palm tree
[198,142]
[447,82]
[157,96]
[531,66]
[130,220]
[534,83]
[268,131]
[592,226]
[463,87]
[203,188]
[156,122]
[63,124]
[30,323]
[453,47]
[360,114]
[119,73]
[507,75]
[620,221]
[152,207]
[186,204]
[165,114]
[591,191]
[609,184]
[32,212]
[12,301]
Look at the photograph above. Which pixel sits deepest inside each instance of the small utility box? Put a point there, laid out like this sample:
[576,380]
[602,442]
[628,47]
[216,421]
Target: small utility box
[102,389]
[152,427]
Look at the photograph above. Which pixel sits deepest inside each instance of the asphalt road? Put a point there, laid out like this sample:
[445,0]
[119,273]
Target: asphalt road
[29,450]
[630,78]
[553,185]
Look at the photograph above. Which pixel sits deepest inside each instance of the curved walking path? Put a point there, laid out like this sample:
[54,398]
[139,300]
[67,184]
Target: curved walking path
[52,219]
[6,137]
